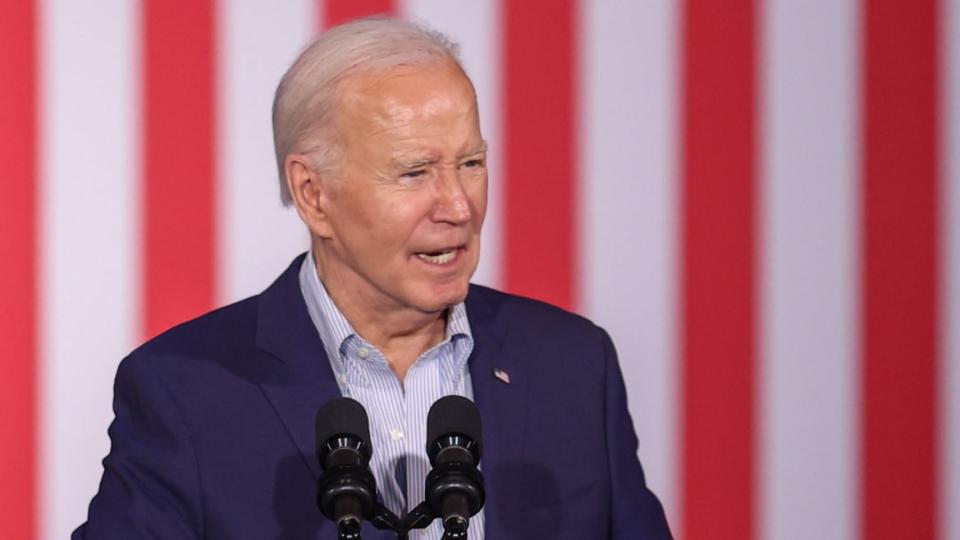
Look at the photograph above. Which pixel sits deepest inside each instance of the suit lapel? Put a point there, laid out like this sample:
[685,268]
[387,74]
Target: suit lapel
[502,405]
[302,380]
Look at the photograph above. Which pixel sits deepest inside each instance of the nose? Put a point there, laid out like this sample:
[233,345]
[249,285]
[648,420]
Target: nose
[452,204]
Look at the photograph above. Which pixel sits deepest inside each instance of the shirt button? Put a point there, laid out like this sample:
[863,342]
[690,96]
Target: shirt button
[396,434]
[363,352]
[342,378]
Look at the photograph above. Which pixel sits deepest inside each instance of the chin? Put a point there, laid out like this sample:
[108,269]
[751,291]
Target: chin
[440,298]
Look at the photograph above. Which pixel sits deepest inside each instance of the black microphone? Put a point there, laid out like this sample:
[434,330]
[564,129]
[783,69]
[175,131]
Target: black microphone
[454,488]
[347,490]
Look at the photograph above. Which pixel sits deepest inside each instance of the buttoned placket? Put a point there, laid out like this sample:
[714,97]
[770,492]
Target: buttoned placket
[400,435]
[397,415]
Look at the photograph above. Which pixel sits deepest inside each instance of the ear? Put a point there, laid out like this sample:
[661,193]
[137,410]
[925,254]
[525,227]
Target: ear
[309,195]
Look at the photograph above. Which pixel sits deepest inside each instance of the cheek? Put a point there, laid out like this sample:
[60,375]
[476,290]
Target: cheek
[477,194]
[367,231]
[390,228]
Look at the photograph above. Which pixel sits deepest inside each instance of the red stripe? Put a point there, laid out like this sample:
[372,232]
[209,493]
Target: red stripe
[18,267]
[540,126]
[718,204]
[179,190]
[340,11]
[900,270]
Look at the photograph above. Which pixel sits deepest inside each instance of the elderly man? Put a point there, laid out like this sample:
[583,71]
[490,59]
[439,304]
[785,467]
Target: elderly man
[379,149]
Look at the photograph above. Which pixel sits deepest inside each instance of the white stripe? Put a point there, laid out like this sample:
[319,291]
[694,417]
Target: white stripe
[627,186]
[474,25]
[90,160]
[258,237]
[808,331]
[950,312]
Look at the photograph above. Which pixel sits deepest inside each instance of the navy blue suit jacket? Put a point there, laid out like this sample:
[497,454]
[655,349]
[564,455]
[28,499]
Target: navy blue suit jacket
[214,438]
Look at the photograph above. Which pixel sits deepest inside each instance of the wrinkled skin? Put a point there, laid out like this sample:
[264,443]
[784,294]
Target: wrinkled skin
[412,182]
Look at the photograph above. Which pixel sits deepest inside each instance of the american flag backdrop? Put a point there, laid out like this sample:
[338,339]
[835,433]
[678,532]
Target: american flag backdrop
[759,199]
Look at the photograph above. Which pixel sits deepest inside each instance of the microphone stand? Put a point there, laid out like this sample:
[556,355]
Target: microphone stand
[384,519]
[420,518]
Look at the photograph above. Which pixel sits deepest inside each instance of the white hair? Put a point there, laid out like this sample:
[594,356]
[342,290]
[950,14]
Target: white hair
[306,99]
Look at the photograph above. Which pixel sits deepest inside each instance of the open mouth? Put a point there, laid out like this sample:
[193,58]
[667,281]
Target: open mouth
[439,257]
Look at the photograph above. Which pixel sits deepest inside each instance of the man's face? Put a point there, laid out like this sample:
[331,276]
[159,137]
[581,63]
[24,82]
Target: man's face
[404,212]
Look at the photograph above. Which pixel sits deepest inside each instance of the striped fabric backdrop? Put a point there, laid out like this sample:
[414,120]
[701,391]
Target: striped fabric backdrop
[759,199]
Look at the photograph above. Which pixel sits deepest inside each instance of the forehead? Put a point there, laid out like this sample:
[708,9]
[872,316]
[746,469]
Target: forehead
[404,95]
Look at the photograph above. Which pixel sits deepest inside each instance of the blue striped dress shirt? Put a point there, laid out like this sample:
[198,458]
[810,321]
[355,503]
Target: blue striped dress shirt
[397,411]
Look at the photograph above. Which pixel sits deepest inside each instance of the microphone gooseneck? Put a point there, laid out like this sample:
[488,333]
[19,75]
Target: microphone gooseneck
[454,488]
[347,491]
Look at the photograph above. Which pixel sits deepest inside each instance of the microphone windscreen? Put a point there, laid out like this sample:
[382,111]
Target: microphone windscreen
[454,414]
[342,416]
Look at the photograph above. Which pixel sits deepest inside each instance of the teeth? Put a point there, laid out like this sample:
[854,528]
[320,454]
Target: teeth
[442,258]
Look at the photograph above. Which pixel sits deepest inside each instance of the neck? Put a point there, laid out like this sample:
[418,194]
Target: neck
[400,333]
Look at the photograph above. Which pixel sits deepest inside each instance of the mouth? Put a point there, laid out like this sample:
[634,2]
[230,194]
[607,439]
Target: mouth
[440,257]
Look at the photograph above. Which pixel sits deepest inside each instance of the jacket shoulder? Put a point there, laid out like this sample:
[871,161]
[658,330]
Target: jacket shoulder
[214,336]
[528,315]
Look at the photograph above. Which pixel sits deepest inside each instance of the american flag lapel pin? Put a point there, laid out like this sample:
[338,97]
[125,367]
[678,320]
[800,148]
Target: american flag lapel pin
[502,375]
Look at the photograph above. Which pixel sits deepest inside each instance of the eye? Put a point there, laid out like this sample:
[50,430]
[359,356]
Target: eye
[414,174]
[473,163]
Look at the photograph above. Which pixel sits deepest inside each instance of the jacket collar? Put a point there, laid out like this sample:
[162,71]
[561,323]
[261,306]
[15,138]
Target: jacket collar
[302,380]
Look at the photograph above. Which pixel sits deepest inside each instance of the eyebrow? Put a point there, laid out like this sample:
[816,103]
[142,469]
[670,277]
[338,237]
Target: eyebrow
[415,163]
[482,147]
[420,162]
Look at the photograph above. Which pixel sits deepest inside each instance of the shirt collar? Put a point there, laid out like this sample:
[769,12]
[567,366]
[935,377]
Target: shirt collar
[334,329]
